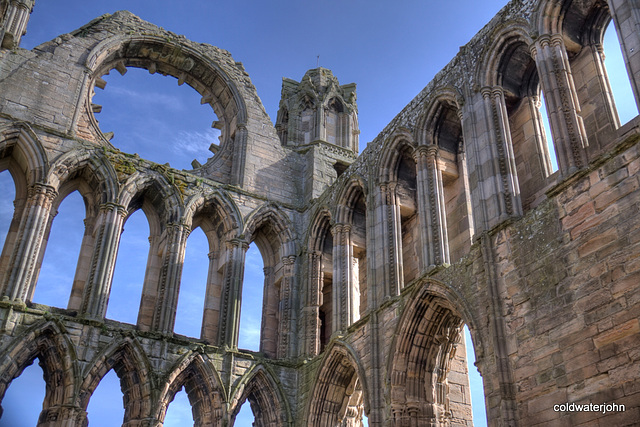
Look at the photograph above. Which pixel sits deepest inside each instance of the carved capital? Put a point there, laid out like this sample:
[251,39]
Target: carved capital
[110,207]
[40,190]
[237,243]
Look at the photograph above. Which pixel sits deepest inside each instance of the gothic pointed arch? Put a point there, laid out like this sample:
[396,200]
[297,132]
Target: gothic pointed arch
[422,356]
[272,232]
[266,397]
[319,282]
[204,389]
[507,58]
[570,18]
[401,141]
[217,215]
[339,395]
[576,30]
[155,192]
[127,358]
[269,214]
[25,159]
[218,201]
[441,115]
[21,144]
[350,191]
[47,341]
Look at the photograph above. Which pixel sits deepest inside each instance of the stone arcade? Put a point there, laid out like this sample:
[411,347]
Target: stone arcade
[373,263]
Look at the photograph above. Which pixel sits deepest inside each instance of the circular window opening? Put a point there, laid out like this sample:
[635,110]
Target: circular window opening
[155,117]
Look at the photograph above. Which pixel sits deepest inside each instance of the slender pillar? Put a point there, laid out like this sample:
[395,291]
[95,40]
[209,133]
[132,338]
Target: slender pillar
[321,129]
[563,108]
[343,286]
[432,210]
[543,164]
[285,326]
[212,301]
[506,197]
[21,275]
[313,301]
[463,173]
[392,240]
[626,16]
[164,316]
[96,289]
[232,293]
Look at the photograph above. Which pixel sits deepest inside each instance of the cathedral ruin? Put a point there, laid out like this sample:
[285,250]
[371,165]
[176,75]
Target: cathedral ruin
[452,216]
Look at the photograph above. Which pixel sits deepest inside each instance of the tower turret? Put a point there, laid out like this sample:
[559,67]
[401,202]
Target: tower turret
[318,108]
[319,118]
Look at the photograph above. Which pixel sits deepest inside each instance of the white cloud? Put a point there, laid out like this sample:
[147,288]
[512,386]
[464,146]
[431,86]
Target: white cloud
[140,98]
[195,142]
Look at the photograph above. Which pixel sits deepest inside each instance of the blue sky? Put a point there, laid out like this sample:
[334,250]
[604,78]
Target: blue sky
[391,52]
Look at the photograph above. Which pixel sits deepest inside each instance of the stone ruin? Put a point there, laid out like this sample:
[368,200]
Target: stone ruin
[373,263]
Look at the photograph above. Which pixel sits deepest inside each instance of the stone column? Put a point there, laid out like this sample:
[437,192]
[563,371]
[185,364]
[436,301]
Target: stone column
[343,292]
[21,275]
[507,190]
[543,165]
[14,22]
[232,293]
[392,240]
[285,308]
[563,108]
[626,16]
[463,173]
[321,128]
[164,316]
[212,301]
[97,285]
[432,212]
[313,301]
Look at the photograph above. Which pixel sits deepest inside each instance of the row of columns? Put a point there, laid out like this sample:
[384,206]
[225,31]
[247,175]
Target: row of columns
[92,283]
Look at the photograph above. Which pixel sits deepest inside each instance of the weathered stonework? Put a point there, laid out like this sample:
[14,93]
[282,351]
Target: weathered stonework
[373,263]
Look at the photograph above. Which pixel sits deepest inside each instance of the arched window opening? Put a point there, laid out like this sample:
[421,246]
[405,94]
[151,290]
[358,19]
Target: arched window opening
[193,285]
[338,396]
[106,406]
[156,119]
[255,278]
[455,183]
[23,400]
[359,262]
[337,124]
[595,76]
[66,230]
[625,103]
[428,373]
[407,196]
[519,79]
[179,411]
[129,274]
[6,205]
[326,291]
[307,121]
[475,383]
[245,416]
[544,114]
